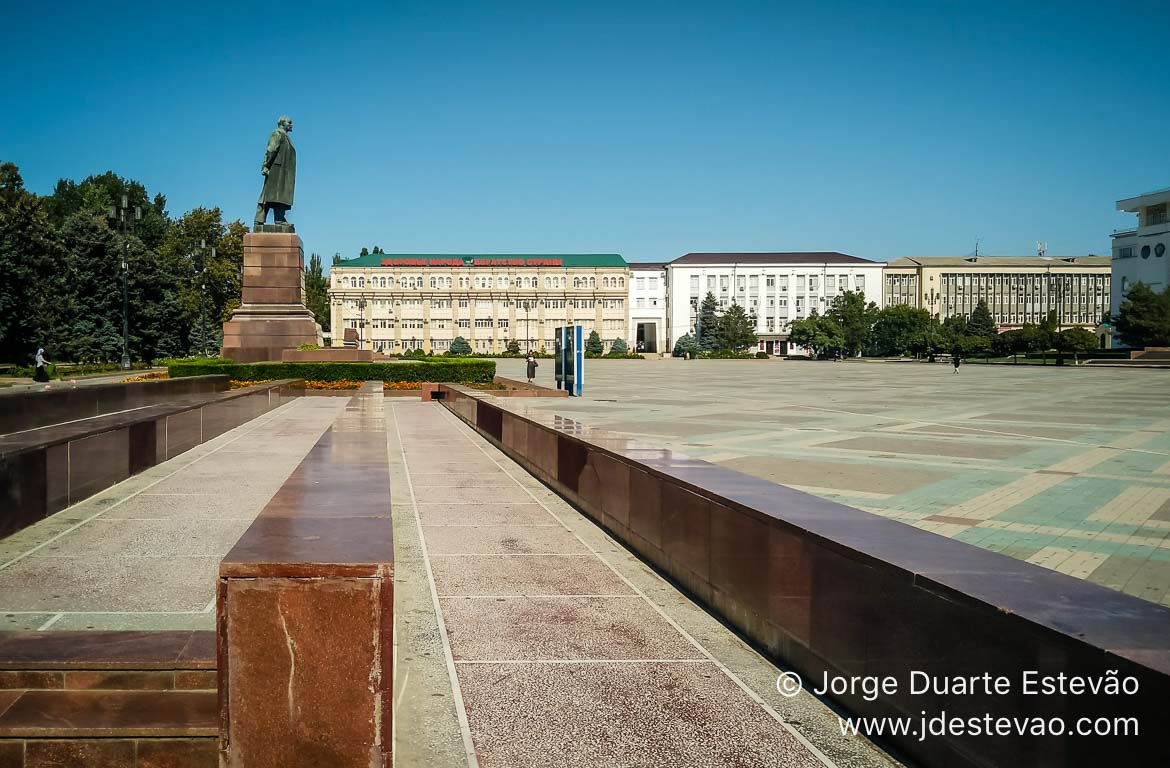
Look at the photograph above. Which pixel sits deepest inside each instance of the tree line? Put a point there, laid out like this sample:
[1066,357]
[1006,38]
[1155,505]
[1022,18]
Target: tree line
[64,255]
[851,326]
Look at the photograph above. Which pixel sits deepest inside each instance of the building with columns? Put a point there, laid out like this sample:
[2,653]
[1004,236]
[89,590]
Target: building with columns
[399,302]
[776,287]
[1017,289]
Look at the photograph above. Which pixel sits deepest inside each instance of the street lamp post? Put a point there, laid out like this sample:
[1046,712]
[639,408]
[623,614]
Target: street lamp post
[121,214]
[200,272]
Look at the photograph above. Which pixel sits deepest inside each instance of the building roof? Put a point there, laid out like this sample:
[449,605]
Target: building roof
[815,257]
[484,260]
[648,265]
[1032,262]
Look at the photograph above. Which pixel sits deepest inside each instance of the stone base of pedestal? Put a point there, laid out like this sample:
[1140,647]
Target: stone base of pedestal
[273,316]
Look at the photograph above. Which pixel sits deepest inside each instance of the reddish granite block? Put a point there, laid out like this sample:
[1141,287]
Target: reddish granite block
[789,582]
[110,714]
[304,667]
[686,538]
[79,753]
[94,650]
[739,563]
[196,680]
[428,391]
[34,679]
[177,753]
[645,515]
[11,754]
[120,681]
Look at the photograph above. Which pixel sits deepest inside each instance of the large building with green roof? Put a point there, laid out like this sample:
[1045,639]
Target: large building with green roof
[402,301]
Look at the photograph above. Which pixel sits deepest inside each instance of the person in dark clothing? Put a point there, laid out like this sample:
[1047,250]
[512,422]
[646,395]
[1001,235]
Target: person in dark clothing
[42,372]
[531,367]
[956,360]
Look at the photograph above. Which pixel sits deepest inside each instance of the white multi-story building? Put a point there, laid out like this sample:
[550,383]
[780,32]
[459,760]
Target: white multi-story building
[776,287]
[648,296]
[1139,253]
[400,302]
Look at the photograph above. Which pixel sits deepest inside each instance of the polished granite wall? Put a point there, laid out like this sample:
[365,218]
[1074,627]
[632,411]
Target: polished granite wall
[43,471]
[31,409]
[830,589]
[305,609]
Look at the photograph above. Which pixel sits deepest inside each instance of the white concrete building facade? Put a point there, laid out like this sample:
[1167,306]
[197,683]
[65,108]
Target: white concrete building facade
[648,297]
[1140,253]
[776,287]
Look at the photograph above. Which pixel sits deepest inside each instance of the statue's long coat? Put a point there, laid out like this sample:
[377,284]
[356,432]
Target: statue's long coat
[281,162]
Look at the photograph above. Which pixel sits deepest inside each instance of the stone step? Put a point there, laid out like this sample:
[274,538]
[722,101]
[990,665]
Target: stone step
[109,753]
[108,714]
[129,661]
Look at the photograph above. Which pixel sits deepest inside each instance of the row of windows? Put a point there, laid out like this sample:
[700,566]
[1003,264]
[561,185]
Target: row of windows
[722,283]
[487,306]
[481,282]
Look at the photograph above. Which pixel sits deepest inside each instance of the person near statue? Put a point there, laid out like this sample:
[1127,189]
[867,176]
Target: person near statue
[280,175]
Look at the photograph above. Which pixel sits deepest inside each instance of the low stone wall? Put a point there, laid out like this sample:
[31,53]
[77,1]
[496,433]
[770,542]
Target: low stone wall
[305,610]
[46,470]
[31,409]
[830,590]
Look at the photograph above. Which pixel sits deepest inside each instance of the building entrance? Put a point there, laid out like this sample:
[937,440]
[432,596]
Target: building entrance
[647,338]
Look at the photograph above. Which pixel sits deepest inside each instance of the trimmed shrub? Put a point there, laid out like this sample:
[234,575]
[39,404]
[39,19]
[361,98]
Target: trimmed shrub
[452,370]
[459,346]
[761,355]
[619,347]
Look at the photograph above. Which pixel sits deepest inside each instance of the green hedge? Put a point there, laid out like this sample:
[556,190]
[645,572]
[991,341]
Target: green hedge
[452,370]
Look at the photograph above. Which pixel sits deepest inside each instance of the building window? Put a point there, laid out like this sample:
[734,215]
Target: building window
[639,302]
[770,281]
[1156,214]
[859,281]
[694,285]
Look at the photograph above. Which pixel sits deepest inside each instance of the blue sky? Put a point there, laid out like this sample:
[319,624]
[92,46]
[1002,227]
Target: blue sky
[649,129]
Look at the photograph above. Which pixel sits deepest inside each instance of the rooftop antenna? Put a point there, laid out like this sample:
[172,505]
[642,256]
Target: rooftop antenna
[1041,249]
[977,246]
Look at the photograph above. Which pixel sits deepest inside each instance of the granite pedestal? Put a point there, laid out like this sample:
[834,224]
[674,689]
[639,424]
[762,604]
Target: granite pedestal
[272,317]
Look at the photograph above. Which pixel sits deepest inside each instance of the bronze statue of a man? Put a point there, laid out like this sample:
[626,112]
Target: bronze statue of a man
[280,174]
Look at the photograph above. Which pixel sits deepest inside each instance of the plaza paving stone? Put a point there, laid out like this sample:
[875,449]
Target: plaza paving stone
[1066,467]
[535,639]
[144,554]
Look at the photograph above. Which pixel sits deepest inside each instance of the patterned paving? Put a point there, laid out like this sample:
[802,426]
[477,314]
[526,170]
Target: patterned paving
[1068,468]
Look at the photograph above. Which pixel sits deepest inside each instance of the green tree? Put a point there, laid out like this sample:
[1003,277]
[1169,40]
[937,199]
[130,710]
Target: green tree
[819,333]
[1077,341]
[365,252]
[317,291]
[619,347]
[735,330]
[981,323]
[594,344]
[686,345]
[1143,319]
[896,329]
[855,319]
[33,289]
[973,346]
[460,347]
[707,325]
[513,347]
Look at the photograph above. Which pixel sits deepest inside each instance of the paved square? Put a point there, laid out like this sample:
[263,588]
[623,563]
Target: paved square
[1068,468]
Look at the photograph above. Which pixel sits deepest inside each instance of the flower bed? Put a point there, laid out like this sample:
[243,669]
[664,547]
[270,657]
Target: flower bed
[242,383]
[333,385]
[449,370]
[407,386]
[147,377]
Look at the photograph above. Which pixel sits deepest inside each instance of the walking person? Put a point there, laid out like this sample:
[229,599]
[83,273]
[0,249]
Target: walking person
[956,360]
[531,367]
[41,374]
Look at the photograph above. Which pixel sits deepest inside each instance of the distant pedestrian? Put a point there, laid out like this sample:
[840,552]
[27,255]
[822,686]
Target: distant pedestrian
[531,367]
[42,372]
[956,360]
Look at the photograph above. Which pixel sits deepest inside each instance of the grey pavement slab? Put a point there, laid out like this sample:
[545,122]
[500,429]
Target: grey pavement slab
[144,554]
[548,659]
